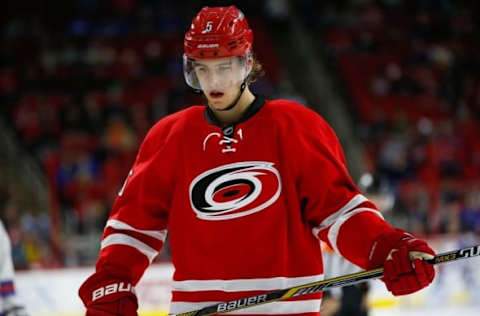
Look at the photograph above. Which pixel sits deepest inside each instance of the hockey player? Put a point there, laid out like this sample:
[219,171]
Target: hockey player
[245,187]
[9,305]
[346,301]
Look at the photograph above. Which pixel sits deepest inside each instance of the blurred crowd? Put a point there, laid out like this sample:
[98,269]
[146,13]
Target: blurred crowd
[82,82]
[411,70]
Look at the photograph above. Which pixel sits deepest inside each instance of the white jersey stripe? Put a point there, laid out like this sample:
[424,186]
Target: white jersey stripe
[122,239]
[116,224]
[274,308]
[354,202]
[263,284]
[334,230]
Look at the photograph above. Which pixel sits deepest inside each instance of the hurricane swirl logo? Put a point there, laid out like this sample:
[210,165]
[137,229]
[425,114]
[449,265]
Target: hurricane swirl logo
[235,190]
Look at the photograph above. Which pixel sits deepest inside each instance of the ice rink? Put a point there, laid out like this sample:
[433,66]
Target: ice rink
[437,311]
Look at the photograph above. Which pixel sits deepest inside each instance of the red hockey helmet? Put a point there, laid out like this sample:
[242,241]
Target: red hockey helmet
[218,32]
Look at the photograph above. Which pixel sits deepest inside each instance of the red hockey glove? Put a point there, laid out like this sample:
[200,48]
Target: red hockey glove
[402,255]
[104,295]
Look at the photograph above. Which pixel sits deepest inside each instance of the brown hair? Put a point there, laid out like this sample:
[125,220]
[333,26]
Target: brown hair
[257,71]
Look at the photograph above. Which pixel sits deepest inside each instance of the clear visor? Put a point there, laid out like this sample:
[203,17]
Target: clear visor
[216,74]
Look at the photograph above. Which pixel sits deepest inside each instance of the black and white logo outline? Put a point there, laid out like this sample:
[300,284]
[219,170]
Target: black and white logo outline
[250,174]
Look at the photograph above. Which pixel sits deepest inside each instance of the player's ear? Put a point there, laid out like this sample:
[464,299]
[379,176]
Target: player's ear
[250,62]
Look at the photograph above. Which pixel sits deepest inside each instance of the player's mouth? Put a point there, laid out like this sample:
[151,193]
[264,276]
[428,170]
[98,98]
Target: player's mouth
[216,94]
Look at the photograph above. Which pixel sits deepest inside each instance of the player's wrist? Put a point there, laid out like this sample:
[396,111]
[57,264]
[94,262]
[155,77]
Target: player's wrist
[384,245]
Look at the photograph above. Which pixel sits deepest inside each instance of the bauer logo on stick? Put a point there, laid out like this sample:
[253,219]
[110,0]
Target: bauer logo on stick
[244,302]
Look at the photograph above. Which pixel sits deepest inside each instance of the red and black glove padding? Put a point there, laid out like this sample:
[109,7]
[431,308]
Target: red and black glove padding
[106,295]
[402,255]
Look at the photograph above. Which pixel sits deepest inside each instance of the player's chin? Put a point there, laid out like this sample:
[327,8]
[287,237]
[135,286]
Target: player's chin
[218,105]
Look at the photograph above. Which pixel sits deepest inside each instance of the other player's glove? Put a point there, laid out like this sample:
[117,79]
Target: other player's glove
[402,255]
[14,310]
[106,295]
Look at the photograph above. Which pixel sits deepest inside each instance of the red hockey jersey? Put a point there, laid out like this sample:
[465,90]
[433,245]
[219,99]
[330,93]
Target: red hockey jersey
[244,206]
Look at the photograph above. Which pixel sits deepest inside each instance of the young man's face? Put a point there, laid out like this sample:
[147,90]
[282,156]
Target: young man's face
[220,79]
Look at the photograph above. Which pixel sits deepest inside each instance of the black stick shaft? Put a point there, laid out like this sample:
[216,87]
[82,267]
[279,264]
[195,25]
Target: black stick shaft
[318,286]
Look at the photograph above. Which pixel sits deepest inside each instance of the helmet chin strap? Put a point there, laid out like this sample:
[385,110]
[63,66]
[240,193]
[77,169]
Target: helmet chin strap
[242,88]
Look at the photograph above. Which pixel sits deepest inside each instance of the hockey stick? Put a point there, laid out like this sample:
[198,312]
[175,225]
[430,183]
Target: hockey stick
[318,286]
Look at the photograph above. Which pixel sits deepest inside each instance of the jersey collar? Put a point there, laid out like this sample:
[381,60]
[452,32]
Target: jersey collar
[256,105]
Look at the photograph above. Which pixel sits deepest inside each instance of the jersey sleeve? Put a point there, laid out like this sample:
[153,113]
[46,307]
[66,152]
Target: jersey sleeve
[337,211]
[6,265]
[137,226]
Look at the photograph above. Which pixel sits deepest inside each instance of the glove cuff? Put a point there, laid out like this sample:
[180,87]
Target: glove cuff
[102,287]
[383,245]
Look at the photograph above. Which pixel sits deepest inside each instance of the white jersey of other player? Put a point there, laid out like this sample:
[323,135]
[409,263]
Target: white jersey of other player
[9,305]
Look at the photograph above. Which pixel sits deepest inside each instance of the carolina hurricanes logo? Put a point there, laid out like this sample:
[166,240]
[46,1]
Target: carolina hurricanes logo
[235,190]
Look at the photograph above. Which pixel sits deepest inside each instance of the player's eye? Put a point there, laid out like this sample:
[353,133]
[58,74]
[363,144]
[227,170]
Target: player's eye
[224,68]
[201,69]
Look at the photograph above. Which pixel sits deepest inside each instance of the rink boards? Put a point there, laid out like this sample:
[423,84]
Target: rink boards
[54,292]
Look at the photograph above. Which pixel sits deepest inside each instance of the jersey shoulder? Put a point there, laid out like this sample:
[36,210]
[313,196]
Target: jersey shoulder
[306,126]
[295,115]
[170,128]
[176,122]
